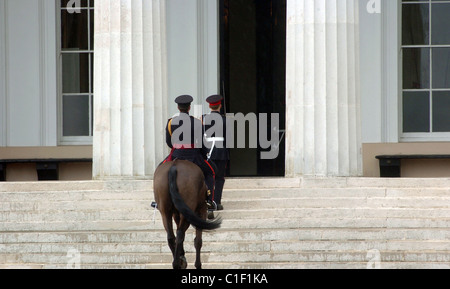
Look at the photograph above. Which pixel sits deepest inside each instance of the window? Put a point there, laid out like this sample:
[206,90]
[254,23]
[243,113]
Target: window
[76,71]
[426,68]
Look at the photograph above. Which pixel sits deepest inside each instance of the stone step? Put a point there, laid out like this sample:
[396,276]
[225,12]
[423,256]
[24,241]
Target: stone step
[229,194]
[267,223]
[236,183]
[232,234]
[336,182]
[336,192]
[299,213]
[76,196]
[57,226]
[249,223]
[302,197]
[252,265]
[50,206]
[311,256]
[255,246]
[25,187]
[414,183]
[341,202]
[295,214]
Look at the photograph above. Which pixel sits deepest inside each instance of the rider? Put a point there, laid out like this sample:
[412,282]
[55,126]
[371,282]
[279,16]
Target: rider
[216,140]
[184,137]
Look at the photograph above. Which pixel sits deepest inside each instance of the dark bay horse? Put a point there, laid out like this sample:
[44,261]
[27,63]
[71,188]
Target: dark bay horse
[180,192]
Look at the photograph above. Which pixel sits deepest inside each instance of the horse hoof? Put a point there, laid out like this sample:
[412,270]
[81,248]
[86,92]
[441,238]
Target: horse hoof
[184,263]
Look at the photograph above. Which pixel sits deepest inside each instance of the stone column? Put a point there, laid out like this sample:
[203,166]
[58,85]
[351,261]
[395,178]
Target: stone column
[323,102]
[130,87]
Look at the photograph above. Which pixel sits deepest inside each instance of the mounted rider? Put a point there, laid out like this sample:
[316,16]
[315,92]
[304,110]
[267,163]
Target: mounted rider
[215,128]
[184,137]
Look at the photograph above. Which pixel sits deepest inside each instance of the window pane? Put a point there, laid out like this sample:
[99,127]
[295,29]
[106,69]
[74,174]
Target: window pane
[416,68]
[440,23]
[415,28]
[441,111]
[91,55]
[74,30]
[75,72]
[441,67]
[76,115]
[416,112]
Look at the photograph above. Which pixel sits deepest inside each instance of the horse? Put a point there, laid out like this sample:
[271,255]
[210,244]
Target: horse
[180,193]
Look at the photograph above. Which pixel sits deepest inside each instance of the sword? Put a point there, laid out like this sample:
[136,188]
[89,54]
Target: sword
[213,140]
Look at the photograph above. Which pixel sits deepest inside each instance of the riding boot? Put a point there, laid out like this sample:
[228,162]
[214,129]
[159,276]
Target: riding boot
[218,191]
[211,205]
[210,199]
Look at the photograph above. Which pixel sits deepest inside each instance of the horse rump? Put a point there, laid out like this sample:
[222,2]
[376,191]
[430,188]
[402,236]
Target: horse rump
[184,209]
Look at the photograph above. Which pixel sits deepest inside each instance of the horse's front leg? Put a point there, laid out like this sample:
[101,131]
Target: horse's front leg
[167,222]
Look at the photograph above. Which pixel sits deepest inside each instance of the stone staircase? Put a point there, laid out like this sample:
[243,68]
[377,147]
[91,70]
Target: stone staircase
[267,223]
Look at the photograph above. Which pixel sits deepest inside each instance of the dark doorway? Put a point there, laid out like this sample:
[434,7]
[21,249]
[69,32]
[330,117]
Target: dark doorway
[253,73]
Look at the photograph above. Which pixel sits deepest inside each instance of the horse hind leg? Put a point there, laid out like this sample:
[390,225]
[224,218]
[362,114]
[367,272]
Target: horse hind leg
[198,243]
[179,261]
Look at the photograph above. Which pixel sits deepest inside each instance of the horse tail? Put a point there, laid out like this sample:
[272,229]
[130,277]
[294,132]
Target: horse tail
[184,209]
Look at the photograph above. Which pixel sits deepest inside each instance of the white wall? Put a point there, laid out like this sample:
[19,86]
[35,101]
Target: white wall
[28,78]
[193,49]
[2,75]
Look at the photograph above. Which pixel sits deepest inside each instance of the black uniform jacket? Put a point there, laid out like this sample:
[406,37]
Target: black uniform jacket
[186,147]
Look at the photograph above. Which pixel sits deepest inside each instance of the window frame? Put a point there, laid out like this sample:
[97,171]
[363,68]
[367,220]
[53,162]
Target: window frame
[420,136]
[73,140]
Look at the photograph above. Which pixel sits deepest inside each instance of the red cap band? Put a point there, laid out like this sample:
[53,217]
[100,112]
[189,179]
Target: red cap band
[216,103]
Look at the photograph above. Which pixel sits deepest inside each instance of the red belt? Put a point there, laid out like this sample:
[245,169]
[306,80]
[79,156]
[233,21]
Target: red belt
[183,146]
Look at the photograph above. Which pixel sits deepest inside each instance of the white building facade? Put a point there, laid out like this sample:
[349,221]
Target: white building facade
[351,79]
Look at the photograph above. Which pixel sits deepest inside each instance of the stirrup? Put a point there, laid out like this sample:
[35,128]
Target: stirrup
[212,206]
